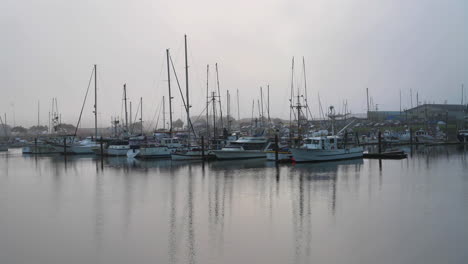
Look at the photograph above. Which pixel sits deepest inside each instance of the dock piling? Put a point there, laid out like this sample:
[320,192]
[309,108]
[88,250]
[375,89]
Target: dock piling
[203,147]
[276,148]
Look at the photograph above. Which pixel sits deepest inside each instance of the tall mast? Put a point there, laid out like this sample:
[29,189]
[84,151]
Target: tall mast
[126,113]
[207,101]
[268,104]
[95,102]
[462,95]
[187,89]
[131,124]
[38,113]
[164,113]
[213,101]
[305,89]
[291,100]
[228,109]
[238,110]
[219,94]
[400,101]
[261,109]
[411,97]
[367,91]
[170,96]
[141,114]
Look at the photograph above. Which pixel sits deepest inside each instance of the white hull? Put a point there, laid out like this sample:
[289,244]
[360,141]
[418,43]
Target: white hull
[75,149]
[117,152]
[39,149]
[241,154]
[191,155]
[282,156]
[149,153]
[315,155]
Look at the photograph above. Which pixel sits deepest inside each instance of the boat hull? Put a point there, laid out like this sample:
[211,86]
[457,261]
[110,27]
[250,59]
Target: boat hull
[149,153]
[245,154]
[282,156]
[39,149]
[317,155]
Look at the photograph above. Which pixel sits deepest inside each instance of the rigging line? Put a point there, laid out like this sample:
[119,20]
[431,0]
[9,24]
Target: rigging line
[203,111]
[182,95]
[136,114]
[158,112]
[82,107]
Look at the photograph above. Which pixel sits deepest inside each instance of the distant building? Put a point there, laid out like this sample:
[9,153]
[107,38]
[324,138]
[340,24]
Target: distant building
[385,115]
[437,112]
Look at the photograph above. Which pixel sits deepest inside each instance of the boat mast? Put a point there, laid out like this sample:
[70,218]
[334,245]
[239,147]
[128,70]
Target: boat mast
[291,100]
[219,94]
[164,113]
[187,89]
[38,112]
[238,110]
[261,110]
[126,113]
[95,102]
[213,101]
[305,89]
[268,104]
[169,88]
[131,124]
[207,101]
[141,114]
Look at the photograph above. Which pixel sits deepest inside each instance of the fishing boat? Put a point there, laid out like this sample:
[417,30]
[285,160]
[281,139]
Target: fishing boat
[421,136]
[284,154]
[38,148]
[192,153]
[316,149]
[463,135]
[149,151]
[244,148]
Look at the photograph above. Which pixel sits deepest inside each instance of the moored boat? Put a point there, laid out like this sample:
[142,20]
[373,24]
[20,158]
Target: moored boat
[243,148]
[316,149]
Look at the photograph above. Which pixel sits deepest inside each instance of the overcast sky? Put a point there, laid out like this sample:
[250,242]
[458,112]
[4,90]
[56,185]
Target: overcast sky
[48,49]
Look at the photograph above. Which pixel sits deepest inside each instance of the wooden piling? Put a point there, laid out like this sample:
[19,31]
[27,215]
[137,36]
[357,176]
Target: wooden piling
[203,147]
[35,145]
[380,142]
[276,148]
[65,146]
[411,135]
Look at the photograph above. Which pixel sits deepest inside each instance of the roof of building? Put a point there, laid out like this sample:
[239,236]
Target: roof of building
[446,107]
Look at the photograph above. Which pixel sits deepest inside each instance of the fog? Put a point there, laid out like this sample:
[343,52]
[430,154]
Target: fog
[48,49]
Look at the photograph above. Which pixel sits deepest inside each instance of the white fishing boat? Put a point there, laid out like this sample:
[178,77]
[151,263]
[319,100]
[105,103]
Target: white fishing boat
[243,148]
[421,136]
[85,146]
[317,149]
[284,154]
[150,151]
[39,148]
[193,153]
[463,135]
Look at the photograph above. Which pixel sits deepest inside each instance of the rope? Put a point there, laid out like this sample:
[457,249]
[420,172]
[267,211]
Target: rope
[82,107]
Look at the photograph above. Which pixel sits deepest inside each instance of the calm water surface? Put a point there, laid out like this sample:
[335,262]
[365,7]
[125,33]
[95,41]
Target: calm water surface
[81,211]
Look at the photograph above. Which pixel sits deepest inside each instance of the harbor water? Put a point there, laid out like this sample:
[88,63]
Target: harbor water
[80,209]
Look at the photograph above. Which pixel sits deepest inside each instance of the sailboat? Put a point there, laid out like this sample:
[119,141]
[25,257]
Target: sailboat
[84,146]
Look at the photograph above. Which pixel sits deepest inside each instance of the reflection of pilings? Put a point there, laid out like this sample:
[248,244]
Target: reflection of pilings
[172,224]
[191,231]
[98,211]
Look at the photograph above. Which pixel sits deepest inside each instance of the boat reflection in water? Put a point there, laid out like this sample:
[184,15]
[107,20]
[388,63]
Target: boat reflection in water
[162,211]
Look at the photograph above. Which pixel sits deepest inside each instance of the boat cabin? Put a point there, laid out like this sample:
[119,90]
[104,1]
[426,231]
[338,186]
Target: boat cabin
[325,143]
